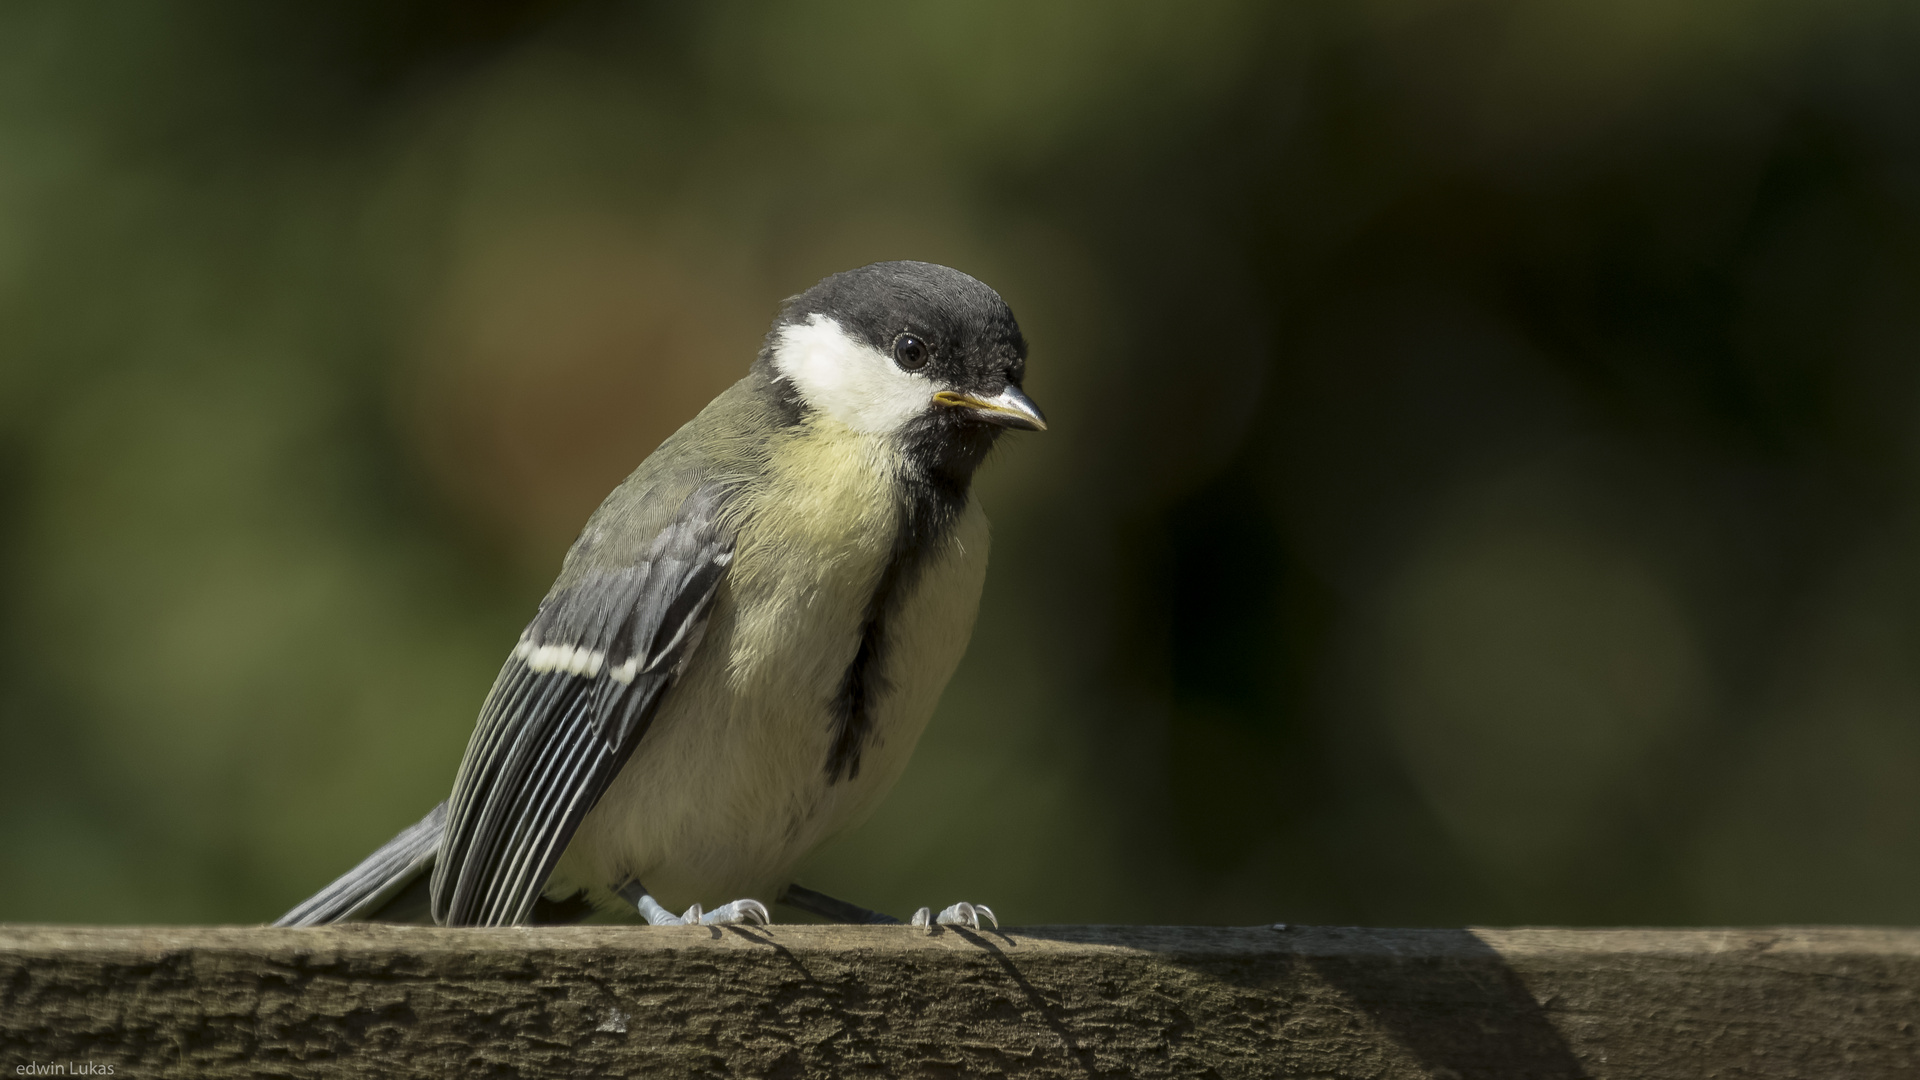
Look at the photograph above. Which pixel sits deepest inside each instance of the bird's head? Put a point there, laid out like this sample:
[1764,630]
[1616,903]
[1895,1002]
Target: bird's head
[910,350]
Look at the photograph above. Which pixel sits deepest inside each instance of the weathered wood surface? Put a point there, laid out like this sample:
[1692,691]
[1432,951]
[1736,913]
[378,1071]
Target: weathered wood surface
[794,1001]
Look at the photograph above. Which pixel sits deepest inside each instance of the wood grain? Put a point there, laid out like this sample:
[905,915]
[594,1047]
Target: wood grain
[819,1001]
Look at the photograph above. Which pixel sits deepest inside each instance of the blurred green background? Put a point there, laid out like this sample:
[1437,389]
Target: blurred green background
[1484,484]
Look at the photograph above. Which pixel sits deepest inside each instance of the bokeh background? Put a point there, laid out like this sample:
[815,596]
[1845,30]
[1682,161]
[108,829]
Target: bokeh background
[1484,484]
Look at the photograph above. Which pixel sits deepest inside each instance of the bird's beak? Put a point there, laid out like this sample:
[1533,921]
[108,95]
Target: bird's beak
[1008,408]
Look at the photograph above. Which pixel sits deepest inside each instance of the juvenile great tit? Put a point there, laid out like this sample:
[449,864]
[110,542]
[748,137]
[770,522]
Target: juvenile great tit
[745,642]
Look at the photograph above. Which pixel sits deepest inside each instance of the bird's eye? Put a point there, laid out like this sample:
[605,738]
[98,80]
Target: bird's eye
[910,352]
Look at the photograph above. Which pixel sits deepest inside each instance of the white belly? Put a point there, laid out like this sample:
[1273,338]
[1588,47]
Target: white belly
[729,789]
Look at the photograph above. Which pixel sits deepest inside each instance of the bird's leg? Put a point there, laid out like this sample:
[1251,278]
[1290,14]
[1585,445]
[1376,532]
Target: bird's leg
[815,903]
[751,912]
[636,894]
[960,914]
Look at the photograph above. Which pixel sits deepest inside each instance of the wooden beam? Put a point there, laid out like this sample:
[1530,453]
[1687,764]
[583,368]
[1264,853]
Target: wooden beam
[792,1001]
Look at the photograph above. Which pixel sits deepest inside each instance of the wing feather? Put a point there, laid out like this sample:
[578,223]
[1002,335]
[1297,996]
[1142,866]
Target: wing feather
[567,709]
[553,782]
[361,891]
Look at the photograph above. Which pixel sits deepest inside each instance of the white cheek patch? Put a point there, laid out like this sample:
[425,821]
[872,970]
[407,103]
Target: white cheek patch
[848,379]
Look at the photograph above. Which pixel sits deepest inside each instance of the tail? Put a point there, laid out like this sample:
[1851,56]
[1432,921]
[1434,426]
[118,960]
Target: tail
[389,885]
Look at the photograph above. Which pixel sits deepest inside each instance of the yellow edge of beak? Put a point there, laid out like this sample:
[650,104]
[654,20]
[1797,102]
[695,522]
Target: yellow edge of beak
[968,401]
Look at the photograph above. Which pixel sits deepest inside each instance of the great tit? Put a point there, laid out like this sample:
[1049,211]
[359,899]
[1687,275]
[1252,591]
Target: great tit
[747,639]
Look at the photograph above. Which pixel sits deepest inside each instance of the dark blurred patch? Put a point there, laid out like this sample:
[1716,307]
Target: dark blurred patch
[211,79]
[1660,319]
[1224,640]
[1242,623]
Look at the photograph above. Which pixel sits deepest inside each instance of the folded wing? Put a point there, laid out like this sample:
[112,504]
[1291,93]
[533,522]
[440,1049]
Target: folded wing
[568,708]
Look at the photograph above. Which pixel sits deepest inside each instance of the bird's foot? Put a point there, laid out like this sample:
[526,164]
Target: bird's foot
[960,914]
[738,913]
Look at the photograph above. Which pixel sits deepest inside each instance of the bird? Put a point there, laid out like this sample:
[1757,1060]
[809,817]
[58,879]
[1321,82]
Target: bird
[746,640]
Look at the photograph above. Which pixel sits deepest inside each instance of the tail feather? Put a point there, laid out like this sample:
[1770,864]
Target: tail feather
[379,886]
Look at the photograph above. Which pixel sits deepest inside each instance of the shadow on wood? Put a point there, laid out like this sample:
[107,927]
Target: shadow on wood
[1459,1009]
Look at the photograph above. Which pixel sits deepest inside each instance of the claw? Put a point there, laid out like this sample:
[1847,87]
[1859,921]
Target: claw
[749,912]
[967,915]
[692,917]
[960,914]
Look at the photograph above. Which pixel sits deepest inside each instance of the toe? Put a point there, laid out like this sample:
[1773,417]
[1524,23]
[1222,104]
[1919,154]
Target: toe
[967,915]
[960,914]
[747,912]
